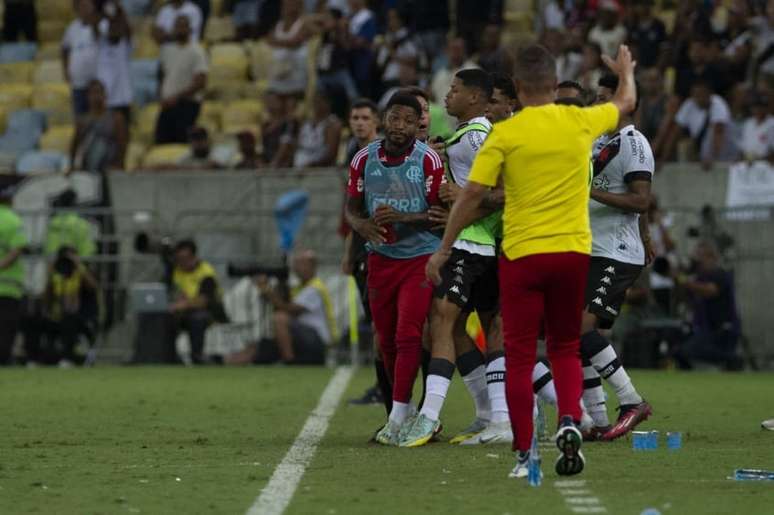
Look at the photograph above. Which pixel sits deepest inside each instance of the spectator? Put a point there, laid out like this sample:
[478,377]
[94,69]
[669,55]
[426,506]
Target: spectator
[569,58]
[757,140]
[763,45]
[431,23]
[304,325]
[164,28]
[12,244]
[20,17]
[278,131]
[647,34]
[407,77]
[245,16]
[67,228]
[653,102]
[423,131]
[70,310]
[288,75]
[204,7]
[398,47]
[661,281]
[184,77]
[570,89]
[550,16]
[608,33]
[592,68]
[113,61]
[198,296]
[249,158]
[364,126]
[707,119]
[318,136]
[199,157]
[457,59]
[79,53]
[100,139]
[362,31]
[493,57]
[716,327]
[699,65]
[333,56]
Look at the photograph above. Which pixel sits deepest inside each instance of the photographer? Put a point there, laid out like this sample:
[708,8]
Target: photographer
[716,327]
[197,296]
[303,325]
[12,243]
[69,310]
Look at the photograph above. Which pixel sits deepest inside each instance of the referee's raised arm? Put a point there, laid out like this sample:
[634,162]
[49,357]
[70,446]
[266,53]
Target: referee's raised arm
[625,97]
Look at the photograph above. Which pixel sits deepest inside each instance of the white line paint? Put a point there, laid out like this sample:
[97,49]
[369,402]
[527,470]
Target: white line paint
[578,498]
[276,495]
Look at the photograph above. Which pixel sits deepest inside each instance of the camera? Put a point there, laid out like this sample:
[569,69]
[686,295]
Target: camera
[64,265]
[163,246]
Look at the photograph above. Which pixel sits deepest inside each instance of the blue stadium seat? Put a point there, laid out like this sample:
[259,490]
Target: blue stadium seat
[42,161]
[15,52]
[135,8]
[145,82]
[26,120]
[17,143]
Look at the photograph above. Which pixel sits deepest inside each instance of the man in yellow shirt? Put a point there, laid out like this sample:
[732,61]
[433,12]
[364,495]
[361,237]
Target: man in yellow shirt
[543,155]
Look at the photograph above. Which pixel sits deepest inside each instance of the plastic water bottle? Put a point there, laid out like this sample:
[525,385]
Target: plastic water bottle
[674,440]
[640,440]
[653,440]
[534,474]
[753,475]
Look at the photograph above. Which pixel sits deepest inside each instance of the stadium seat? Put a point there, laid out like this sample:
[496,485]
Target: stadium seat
[242,112]
[134,154]
[48,71]
[59,116]
[57,138]
[15,52]
[145,47]
[145,80]
[26,121]
[144,68]
[49,51]
[51,31]
[211,113]
[260,60]
[160,155]
[513,6]
[51,96]
[20,72]
[15,96]
[36,161]
[145,122]
[228,52]
[225,89]
[219,29]
[53,10]
[136,8]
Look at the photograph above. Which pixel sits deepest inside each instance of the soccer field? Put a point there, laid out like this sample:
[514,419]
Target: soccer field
[207,440]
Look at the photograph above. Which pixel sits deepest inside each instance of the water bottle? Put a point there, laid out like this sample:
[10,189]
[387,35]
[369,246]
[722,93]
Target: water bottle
[640,440]
[534,474]
[653,440]
[753,475]
[674,440]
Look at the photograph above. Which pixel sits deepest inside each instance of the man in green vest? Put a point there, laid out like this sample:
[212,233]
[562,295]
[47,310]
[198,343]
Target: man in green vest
[12,244]
[68,228]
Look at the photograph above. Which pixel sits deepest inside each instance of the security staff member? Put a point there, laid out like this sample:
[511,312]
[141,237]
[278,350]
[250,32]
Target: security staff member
[12,243]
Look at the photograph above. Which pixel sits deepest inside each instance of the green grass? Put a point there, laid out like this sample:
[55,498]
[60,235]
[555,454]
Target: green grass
[187,441]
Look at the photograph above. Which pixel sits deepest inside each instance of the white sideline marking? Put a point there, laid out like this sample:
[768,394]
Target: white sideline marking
[578,498]
[278,492]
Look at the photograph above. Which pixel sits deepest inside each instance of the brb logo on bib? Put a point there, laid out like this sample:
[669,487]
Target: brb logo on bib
[414,174]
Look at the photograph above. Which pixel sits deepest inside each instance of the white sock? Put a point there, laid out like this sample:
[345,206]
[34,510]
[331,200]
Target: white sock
[435,395]
[399,412]
[594,397]
[609,367]
[547,392]
[495,386]
[476,385]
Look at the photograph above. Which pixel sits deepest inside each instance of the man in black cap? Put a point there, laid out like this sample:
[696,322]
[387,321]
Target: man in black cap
[12,243]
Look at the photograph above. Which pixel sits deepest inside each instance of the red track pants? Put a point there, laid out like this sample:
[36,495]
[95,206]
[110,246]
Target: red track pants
[535,290]
[400,296]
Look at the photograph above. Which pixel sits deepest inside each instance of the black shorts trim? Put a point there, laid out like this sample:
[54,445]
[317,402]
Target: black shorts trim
[606,288]
[470,281]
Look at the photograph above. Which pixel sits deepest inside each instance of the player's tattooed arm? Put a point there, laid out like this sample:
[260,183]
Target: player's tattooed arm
[366,227]
[636,200]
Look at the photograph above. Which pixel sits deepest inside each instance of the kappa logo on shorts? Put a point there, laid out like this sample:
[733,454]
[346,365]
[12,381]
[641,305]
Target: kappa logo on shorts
[455,289]
[611,311]
[610,270]
[460,262]
[602,290]
[597,301]
[606,280]
[458,270]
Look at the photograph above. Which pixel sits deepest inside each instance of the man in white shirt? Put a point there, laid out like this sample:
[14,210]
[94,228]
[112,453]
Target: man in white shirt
[184,69]
[303,325]
[113,62]
[758,132]
[79,53]
[707,119]
[164,25]
[608,33]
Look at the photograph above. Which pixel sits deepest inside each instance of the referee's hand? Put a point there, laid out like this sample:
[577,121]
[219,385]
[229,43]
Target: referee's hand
[434,265]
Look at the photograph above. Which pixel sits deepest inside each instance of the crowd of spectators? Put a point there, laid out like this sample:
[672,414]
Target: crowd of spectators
[706,68]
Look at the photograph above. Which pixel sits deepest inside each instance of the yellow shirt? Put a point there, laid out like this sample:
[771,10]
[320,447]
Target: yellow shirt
[189,283]
[544,155]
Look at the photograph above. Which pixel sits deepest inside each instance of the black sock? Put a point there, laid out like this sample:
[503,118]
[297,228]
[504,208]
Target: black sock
[384,385]
[469,361]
